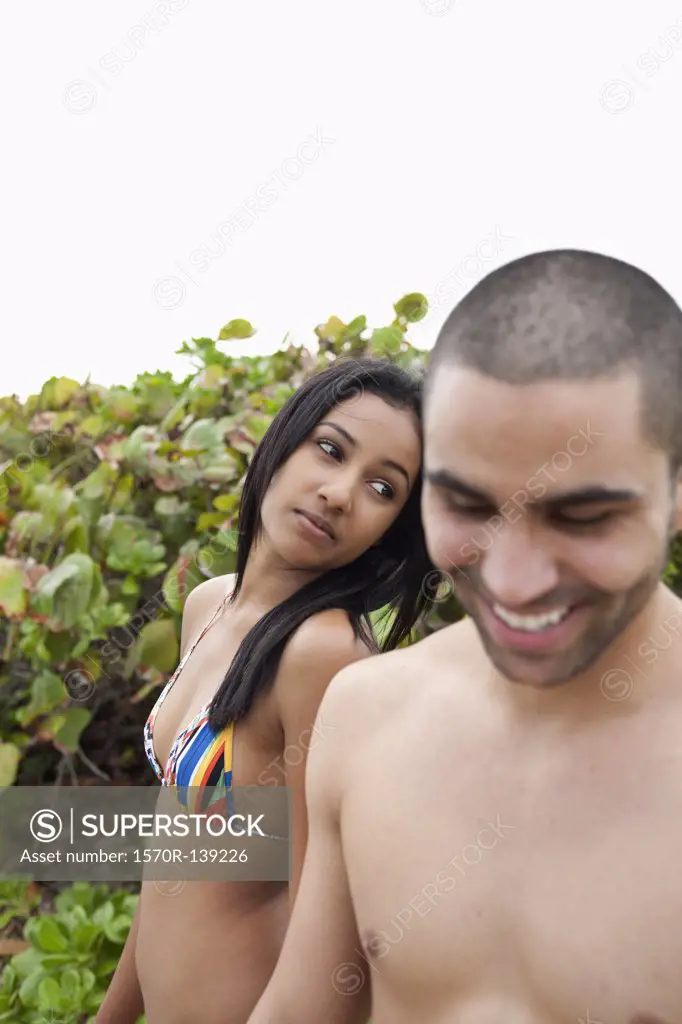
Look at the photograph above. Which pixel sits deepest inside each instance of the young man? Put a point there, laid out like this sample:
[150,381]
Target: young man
[496,813]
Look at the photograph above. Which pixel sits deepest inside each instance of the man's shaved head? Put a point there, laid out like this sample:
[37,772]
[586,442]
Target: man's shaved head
[572,315]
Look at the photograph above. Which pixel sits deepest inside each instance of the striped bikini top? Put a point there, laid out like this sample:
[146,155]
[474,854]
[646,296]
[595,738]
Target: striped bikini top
[199,756]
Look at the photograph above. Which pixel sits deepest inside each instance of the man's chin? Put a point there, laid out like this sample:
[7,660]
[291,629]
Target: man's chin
[540,673]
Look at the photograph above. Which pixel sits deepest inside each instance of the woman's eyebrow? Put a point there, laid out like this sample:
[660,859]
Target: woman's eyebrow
[391,463]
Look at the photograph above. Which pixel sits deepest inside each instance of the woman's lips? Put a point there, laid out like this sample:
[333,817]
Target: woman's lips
[311,528]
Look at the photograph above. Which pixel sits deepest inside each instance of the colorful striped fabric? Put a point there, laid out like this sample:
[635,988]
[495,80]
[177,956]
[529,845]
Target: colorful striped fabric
[199,756]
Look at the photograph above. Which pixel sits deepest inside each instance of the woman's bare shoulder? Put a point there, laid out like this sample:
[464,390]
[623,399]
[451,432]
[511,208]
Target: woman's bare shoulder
[321,647]
[200,604]
[325,639]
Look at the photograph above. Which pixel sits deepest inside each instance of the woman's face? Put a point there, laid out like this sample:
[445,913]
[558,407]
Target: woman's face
[344,486]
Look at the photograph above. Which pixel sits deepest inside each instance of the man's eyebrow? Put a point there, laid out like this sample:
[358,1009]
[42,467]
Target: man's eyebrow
[595,495]
[448,481]
[391,463]
[592,495]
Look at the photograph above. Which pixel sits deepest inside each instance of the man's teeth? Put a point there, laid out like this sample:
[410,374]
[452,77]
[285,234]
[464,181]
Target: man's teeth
[531,623]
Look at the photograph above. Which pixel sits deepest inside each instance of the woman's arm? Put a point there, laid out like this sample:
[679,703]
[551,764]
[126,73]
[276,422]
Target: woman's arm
[320,975]
[123,1002]
[322,646]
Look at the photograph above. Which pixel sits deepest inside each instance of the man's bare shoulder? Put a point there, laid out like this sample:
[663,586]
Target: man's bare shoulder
[370,693]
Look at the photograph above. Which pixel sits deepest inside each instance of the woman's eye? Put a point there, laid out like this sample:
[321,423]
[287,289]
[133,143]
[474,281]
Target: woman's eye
[387,492]
[329,448]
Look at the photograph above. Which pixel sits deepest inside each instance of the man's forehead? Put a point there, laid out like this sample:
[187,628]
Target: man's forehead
[468,408]
[497,436]
[469,386]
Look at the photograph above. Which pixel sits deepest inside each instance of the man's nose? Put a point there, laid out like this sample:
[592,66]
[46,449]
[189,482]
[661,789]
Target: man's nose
[519,567]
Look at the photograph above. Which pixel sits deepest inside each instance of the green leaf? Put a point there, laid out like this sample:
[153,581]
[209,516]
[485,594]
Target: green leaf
[12,592]
[123,494]
[59,647]
[10,755]
[104,914]
[121,404]
[226,503]
[57,392]
[84,934]
[156,647]
[46,934]
[53,500]
[99,482]
[331,330]
[70,985]
[258,426]
[30,971]
[208,519]
[179,581]
[170,506]
[386,341]
[91,425]
[117,930]
[47,693]
[75,535]
[49,994]
[355,328]
[175,415]
[66,592]
[412,307]
[71,723]
[236,329]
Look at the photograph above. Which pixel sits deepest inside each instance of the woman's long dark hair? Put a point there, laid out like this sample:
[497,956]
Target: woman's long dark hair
[390,573]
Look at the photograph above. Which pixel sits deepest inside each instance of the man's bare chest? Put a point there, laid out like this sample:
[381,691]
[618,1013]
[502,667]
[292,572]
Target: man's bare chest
[548,870]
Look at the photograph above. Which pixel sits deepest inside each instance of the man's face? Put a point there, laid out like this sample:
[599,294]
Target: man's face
[549,511]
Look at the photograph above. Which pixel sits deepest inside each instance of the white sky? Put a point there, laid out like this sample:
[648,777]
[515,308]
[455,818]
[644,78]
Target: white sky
[134,130]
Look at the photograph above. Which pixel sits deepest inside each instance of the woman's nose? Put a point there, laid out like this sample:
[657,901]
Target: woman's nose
[338,493]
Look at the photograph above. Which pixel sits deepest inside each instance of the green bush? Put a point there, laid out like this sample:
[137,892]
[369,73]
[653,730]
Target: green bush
[114,504]
[63,976]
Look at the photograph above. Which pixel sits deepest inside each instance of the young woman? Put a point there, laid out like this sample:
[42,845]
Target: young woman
[329,531]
